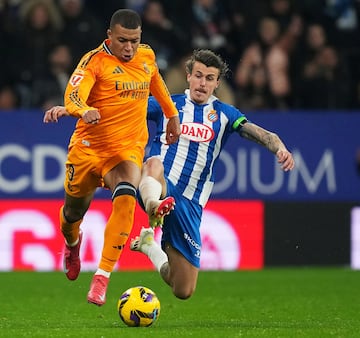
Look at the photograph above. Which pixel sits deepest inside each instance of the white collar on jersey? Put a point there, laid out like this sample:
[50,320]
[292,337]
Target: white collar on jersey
[211,99]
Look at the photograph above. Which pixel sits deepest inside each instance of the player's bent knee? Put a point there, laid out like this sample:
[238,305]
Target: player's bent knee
[154,164]
[72,215]
[183,293]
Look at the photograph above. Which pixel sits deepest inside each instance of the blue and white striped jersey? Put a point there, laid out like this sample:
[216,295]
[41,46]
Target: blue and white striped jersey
[189,163]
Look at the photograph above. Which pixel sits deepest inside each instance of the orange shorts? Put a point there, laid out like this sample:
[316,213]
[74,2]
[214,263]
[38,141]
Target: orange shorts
[85,172]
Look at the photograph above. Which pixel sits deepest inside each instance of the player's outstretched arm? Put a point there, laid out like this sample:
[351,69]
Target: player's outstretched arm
[54,113]
[271,141]
[91,116]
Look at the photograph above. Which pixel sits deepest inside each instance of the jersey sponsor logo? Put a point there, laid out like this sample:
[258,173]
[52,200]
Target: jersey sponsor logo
[132,85]
[191,241]
[76,79]
[197,132]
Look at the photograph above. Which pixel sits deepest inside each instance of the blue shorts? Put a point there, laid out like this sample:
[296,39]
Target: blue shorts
[181,227]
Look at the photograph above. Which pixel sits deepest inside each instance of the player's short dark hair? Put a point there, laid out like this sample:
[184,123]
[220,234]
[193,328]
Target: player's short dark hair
[209,59]
[127,18]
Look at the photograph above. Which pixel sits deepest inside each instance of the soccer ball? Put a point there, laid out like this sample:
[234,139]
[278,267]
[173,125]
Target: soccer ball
[139,306]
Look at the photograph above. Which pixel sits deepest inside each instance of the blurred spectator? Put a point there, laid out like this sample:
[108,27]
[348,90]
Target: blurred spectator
[161,34]
[256,95]
[279,63]
[312,11]
[177,11]
[136,5]
[343,23]
[229,27]
[48,90]
[8,50]
[316,39]
[9,98]
[325,82]
[209,25]
[176,81]
[283,12]
[344,33]
[262,75]
[103,10]
[313,41]
[9,15]
[37,34]
[82,31]
[244,17]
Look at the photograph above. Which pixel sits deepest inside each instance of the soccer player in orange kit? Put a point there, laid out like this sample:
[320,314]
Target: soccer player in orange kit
[108,93]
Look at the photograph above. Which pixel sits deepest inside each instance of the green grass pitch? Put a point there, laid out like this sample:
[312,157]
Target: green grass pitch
[281,302]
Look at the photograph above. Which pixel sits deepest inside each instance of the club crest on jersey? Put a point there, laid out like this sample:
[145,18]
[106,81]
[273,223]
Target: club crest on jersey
[213,116]
[196,132]
[146,68]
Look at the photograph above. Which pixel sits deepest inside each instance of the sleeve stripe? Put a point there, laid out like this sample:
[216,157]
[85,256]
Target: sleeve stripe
[74,98]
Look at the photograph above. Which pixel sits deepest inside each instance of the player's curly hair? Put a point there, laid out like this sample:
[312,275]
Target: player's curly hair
[209,59]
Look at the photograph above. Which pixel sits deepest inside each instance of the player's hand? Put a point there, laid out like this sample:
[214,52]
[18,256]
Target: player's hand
[173,130]
[286,160]
[91,116]
[53,114]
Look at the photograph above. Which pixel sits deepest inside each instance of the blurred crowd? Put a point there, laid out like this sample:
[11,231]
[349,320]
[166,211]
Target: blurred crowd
[283,54]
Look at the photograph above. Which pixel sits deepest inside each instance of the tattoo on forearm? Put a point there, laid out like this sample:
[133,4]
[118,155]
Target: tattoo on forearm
[261,136]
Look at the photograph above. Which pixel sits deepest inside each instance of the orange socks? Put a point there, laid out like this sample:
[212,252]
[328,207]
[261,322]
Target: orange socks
[117,230]
[69,230]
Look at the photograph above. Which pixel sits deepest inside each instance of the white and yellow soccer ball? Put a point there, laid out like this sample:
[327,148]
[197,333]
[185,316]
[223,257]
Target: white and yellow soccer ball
[139,306]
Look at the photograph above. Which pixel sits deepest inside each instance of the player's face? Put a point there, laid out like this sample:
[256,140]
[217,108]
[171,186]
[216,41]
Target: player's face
[124,42]
[202,82]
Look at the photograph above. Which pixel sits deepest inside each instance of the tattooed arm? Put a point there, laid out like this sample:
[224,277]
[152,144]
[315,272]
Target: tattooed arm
[269,140]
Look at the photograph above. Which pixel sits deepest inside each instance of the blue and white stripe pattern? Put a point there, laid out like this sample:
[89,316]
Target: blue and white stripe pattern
[189,164]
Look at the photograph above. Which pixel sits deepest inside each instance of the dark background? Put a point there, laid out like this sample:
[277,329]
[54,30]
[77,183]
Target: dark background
[307,233]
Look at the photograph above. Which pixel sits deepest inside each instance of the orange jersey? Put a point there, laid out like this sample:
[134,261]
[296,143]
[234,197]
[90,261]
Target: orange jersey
[120,91]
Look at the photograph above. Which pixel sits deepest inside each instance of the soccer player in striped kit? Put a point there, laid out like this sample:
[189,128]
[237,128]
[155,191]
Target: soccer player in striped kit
[184,170]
